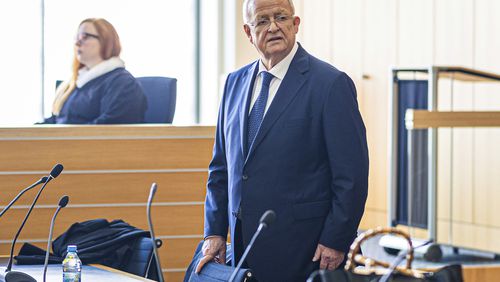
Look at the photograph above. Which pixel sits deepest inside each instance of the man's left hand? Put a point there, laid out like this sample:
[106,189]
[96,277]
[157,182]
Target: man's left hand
[330,258]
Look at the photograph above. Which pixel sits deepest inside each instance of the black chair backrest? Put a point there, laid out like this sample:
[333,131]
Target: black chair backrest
[141,261]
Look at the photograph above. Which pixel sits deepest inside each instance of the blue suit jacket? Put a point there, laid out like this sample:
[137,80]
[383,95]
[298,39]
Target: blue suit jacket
[308,163]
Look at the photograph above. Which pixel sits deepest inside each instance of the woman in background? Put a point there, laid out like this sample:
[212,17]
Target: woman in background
[100,90]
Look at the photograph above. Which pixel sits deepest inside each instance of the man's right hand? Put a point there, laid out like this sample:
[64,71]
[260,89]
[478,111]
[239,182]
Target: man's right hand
[214,248]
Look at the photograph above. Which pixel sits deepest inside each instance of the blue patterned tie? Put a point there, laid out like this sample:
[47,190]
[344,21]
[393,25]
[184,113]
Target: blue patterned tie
[257,113]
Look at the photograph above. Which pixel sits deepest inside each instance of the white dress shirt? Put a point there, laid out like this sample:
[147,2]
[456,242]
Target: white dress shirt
[279,71]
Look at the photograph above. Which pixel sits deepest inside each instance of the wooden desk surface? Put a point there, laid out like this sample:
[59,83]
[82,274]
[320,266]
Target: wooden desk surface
[89,272]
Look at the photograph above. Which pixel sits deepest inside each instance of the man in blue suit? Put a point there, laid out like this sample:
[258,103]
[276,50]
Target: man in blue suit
[289,138]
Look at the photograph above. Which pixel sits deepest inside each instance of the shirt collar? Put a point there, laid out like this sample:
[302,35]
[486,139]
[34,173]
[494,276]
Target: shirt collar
[280,69]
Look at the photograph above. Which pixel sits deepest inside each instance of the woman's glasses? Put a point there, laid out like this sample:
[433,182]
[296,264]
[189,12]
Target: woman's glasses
[84,36]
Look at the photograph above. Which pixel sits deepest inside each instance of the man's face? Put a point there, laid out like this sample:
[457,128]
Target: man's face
[271,28]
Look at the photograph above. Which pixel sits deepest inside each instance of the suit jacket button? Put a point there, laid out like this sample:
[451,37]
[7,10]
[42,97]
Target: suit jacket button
[245,177]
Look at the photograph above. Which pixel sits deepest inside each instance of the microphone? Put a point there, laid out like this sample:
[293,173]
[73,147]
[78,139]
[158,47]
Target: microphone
[41,180]
[56,170]
[267,218]
[16,275]
[152,193]
[63,202]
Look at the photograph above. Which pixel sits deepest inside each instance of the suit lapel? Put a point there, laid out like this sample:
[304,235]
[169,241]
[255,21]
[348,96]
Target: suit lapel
[245,104]
[289,88]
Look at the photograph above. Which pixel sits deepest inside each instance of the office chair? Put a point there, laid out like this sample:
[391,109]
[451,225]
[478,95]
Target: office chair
[141,261]
[161,93]
[58,82]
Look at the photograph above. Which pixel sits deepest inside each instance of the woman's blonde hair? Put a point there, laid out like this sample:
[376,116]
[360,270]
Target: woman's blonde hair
[110,47]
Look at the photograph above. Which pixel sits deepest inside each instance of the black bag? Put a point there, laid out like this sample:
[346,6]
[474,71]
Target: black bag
[215,272]
[451,273]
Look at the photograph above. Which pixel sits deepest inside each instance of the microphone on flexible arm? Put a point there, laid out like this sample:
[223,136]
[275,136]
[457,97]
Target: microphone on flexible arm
[41,180]
[63,202]
[11,276]
[151,231]
[267,218]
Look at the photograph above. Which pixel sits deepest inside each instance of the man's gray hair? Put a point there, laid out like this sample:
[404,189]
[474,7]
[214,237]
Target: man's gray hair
[246,9]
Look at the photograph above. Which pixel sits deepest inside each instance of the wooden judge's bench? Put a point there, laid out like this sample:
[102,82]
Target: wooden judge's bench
[108,171]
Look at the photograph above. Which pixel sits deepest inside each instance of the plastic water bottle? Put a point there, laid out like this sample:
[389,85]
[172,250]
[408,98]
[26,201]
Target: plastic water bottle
[72,266]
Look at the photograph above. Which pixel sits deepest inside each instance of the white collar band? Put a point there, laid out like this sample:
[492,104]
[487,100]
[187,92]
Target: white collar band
[85,75]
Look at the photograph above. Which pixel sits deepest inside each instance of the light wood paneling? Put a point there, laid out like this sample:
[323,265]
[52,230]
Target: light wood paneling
[177,253]
[487,168]
[99,188]
[454,45]
[173,276]
[481,237]
[106,131]
[481,273]
[454,32]
[455,166]
[462,193]
[373,218]
[168,220]
[105,154]
[415,33]
[347,37]
[378,53]
[421,119]
[317,14]
[487,41]
[487,98]
[444,158]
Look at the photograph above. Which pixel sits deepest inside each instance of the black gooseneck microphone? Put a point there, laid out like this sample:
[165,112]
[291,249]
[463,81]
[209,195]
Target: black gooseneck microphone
[267,218]
[152,193]
[12,276]
[63,202]
[41,180]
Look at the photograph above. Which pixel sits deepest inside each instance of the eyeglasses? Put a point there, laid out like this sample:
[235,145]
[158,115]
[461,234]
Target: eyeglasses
[84,36]
[263,23]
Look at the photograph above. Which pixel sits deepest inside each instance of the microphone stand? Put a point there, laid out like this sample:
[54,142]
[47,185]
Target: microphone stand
[398,260]
[265,220]
[63,202]
[17,275]
[41,180]
[151,230]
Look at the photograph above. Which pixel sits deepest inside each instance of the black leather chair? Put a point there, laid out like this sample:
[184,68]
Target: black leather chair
[141,261]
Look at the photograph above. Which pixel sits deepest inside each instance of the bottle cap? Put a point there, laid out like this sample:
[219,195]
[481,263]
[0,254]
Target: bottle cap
[71,248]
